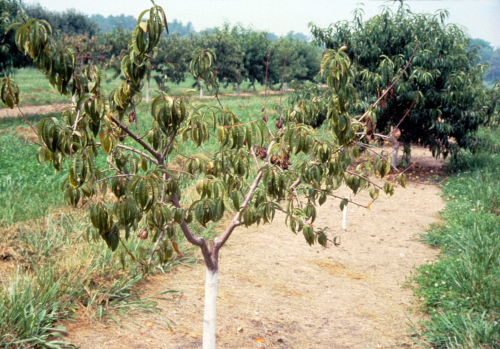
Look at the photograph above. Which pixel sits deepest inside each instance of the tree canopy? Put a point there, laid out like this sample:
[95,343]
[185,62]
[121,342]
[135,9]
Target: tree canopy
[442,87]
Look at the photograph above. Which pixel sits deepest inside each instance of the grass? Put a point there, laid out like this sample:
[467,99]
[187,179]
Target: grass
[49,272]
[461,291]
[34,88]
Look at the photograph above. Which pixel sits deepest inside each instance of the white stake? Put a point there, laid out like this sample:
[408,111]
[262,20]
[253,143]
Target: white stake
[210,309]
[344,222]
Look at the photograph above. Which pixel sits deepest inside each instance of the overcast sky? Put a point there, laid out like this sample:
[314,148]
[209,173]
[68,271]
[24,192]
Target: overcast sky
[480,17]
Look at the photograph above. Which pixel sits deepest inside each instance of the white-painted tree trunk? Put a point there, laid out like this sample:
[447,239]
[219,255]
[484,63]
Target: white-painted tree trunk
[238,89]
[286,86]
[395,154]
[210,309]
[201,89]
[147,91]
[344,221]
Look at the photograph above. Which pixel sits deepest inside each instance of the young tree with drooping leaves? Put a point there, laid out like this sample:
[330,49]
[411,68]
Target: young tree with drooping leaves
[443,88]
[256,169]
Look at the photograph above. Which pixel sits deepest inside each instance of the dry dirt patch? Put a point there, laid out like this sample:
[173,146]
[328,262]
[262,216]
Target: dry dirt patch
[34,109]
[272,285]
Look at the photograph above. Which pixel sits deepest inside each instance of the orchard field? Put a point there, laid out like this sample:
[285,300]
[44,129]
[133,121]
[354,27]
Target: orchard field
[416,267]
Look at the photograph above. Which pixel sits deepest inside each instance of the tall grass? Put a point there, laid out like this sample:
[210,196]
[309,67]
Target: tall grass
[461,290]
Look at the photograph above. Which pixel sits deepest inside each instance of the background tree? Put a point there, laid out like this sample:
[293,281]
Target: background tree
[302,60]
[67,22]
[171,63]
[229,65]
[10,56]
[444,80]
[254,171]
[255,46]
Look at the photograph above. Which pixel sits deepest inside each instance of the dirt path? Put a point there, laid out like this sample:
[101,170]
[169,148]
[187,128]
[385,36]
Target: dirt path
[272,285]
[34,109]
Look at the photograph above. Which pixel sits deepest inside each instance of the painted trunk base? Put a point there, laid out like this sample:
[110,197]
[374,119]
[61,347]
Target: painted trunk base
[210,310]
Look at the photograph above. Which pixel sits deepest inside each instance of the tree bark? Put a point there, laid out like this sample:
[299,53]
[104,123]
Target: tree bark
[395,154]
[210,309]
[238,89]
[201,89]
[147,91]
[286,86]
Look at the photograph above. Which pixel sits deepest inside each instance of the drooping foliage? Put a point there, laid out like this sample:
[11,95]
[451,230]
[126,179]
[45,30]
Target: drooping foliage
[253,171]
[444,78]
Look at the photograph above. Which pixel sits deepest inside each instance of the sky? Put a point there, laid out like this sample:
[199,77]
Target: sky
[479,17]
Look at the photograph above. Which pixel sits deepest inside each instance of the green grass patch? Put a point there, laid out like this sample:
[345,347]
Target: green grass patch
[461,290]
[34,87]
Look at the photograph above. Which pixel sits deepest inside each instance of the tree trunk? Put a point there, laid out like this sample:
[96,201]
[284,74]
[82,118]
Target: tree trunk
[238,89]
[286,86]
[210,309]
[147,91]
[201,89]
[395,154]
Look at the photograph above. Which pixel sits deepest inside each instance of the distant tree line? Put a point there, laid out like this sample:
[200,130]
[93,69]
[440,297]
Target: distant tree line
[242,52]
[488,55]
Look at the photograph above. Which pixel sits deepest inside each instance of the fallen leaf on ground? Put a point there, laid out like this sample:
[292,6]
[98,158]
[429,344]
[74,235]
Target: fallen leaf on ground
[260,339]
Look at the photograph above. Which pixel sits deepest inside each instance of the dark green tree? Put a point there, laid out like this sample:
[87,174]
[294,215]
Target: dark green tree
[302,60]
[444,78]
[10,56]
[255,46]
[230,63]
[67,22]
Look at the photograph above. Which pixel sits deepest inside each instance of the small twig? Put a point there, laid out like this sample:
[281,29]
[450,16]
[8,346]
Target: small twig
[366,179]
[238,125]
[116,176]
[110,163]
[341,198]
[160,238]
[255,158]
[136,138]
[73,132]
[26,119]
[182,172]
[165,152]
[130,253]
[374,152]
[133,150]
[406,114]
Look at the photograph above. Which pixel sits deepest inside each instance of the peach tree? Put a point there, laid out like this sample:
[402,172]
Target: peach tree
[256,170]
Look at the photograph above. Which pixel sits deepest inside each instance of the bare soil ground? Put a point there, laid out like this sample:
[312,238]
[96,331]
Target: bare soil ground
[34,109]
[277,292]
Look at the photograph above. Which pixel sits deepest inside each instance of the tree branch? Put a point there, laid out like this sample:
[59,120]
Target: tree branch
[26,119]
[392,85]
[136,138]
